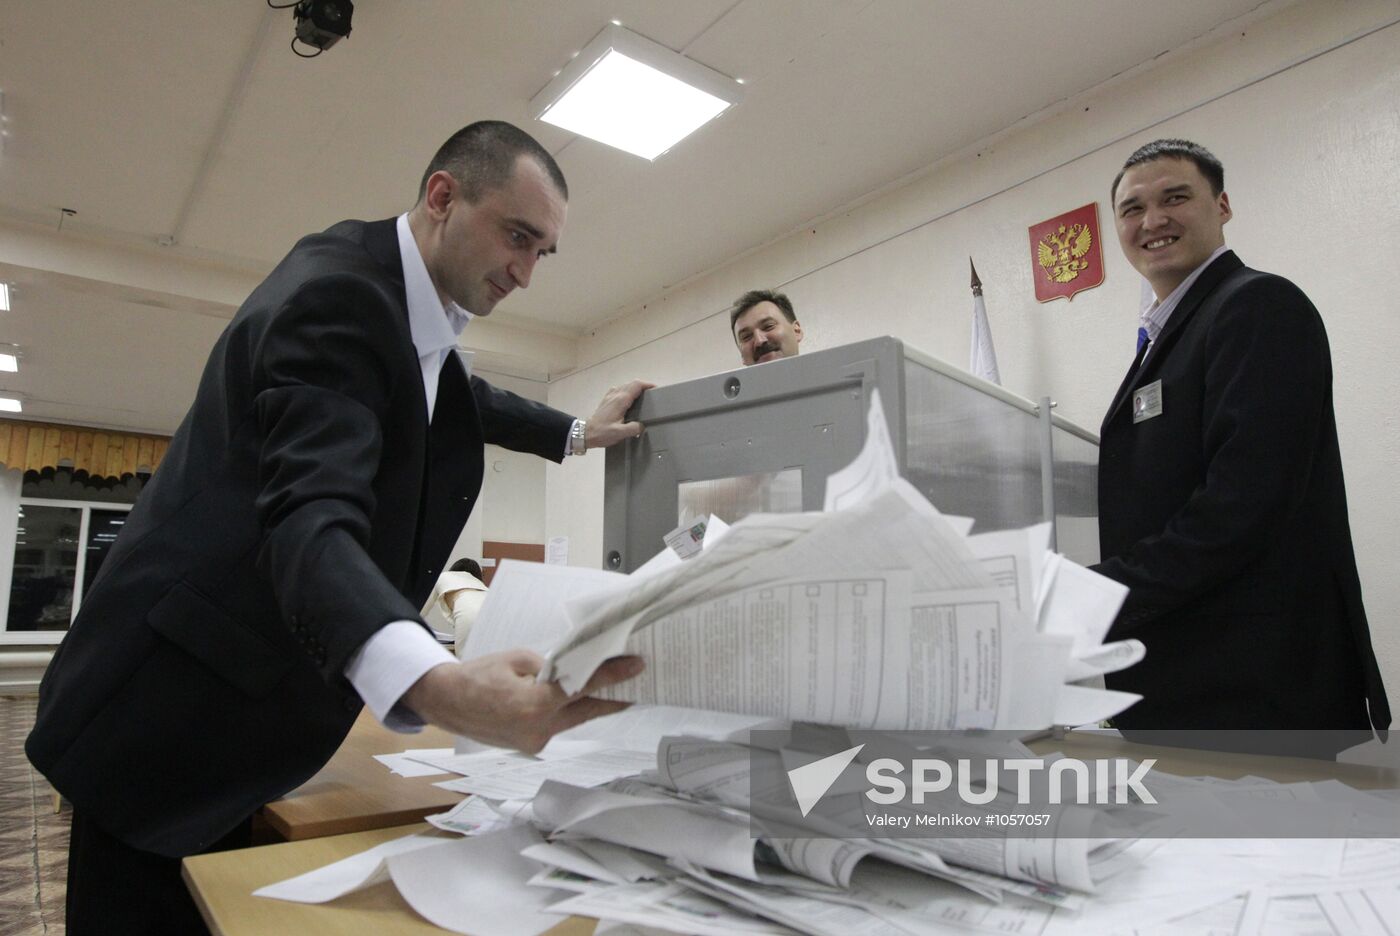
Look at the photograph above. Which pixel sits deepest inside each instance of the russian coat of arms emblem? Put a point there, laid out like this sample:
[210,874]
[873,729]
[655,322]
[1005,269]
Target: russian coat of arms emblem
[1066,254]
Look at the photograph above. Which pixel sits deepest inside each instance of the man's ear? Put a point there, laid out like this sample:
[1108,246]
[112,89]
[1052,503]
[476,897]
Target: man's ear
[1223,203]
[797,330]
[441,190]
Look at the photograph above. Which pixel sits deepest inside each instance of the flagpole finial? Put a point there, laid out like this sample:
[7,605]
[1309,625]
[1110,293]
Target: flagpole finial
[976,283]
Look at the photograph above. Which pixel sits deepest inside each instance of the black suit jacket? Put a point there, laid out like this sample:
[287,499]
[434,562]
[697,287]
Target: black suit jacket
[1227,518]
[303,503]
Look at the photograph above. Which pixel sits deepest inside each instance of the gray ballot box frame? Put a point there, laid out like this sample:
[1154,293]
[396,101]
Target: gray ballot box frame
[970,446]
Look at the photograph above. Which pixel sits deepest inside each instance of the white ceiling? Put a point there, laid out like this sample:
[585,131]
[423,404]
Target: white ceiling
[161,120]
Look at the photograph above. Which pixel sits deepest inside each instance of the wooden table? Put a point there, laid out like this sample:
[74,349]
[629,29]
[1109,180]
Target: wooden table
[354,792]
[223,885]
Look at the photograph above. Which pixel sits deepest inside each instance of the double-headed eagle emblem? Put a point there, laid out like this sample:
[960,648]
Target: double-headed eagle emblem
[1062,251]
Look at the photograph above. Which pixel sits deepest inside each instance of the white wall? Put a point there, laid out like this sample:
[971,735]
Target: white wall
[1303,108]
[510,508]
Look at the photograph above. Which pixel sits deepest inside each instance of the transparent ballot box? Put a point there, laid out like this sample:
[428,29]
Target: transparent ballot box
[764,439]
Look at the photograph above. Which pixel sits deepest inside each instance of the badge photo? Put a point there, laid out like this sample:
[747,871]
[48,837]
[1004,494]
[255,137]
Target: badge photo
[1147,401]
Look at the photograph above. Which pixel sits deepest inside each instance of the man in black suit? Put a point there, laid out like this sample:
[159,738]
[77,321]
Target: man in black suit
[270,576]
[1221,500]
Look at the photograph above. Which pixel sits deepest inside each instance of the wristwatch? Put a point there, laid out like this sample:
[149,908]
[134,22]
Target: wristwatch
[578,437]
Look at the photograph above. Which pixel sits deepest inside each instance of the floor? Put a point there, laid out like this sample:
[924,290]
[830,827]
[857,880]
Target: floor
[33,839]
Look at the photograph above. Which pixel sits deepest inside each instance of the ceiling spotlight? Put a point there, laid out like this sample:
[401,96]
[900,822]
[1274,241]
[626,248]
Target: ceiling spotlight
[10,405]
[633,94]
[323,23]
[4,297]
[9,363]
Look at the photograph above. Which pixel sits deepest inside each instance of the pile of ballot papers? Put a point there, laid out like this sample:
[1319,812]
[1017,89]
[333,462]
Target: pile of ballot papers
[878,612]
[676,847]
[878,615]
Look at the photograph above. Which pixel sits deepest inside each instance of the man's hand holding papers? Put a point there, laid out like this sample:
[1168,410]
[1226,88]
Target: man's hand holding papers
[496,699]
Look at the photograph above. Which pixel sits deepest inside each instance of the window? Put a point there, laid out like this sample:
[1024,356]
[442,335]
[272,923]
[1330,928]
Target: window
[57,527]
[46,563]
[103,527]
[59,546]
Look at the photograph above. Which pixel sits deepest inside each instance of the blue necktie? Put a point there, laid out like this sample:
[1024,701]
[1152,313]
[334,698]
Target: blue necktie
[1142,339]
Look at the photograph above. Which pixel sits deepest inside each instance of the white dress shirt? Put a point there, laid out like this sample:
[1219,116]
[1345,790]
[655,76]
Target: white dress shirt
[399,653]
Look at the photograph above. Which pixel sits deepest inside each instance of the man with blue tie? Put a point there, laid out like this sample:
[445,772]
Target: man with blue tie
[1221,499]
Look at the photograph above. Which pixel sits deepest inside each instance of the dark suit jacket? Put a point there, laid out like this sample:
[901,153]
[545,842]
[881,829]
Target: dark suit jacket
[1227,518]
[304,503]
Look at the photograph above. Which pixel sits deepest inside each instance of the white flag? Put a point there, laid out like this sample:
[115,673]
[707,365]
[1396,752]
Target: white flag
[984,356]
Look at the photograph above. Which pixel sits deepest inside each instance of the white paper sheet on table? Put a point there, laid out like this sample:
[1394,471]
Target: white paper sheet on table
[414,763]
[474,815]
[668,907]
[660,826]
[629,863]
[641,727]
[347,875]
[487,760]
[619,928]
[561,880]
[477,885]
[522,781]
[563,855]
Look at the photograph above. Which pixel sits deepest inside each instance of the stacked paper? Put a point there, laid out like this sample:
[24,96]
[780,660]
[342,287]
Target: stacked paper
[674,850]
[878,612]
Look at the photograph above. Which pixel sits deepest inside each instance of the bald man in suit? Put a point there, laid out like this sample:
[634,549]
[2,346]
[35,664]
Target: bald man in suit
[268,581]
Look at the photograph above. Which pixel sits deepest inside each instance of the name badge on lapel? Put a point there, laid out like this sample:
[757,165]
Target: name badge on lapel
[1147,401]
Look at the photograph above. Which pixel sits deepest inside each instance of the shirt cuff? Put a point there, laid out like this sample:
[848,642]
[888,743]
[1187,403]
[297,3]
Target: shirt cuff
[388,664]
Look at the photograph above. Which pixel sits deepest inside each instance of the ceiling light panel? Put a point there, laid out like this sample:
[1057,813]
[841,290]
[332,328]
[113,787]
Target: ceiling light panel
[633,94]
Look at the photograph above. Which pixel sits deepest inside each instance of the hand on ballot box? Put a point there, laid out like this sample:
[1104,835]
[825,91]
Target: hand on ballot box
[609,424]
[495,699]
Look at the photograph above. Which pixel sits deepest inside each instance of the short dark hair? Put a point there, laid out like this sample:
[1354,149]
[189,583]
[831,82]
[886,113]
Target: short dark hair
[1206,161]
[753,297]
[482,157]
[466,565]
